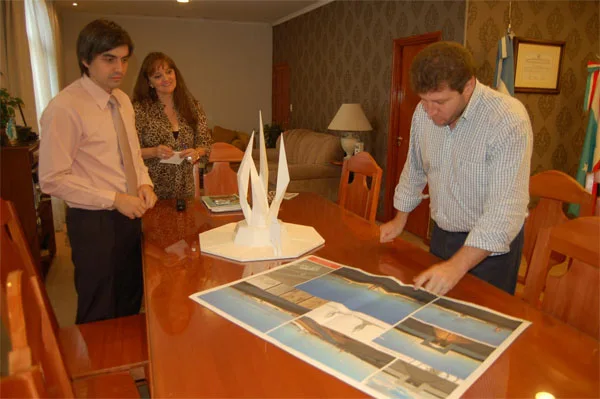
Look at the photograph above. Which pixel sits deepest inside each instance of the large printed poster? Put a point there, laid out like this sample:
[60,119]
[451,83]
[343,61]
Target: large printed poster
[373,332]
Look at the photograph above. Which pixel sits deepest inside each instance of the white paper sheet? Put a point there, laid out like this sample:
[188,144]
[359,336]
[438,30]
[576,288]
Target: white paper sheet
[175,159]
[374,332]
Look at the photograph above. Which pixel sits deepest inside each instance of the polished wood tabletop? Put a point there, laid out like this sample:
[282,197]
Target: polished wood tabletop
[196,353]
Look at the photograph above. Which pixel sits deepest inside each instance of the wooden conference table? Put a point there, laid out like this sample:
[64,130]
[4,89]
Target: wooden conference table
[194,352]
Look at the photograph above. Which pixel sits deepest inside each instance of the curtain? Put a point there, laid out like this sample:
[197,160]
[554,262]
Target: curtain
[55,26]
[14,59]
[42,35]
[42,51]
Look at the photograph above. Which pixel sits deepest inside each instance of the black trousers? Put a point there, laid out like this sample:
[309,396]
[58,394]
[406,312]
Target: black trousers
[107,254]
[501,270]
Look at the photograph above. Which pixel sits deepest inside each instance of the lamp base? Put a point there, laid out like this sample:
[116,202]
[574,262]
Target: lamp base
[348,144]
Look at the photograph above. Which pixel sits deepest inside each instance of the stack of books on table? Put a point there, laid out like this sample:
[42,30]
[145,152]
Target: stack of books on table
[222,203]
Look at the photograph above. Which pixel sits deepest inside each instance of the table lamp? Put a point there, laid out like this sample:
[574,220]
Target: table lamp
[350,118]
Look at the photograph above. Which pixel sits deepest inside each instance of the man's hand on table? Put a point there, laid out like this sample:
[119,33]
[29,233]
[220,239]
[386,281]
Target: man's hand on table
[442,277]
[392,229]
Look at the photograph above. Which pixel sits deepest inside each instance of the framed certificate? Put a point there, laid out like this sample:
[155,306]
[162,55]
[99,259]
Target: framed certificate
[537,65]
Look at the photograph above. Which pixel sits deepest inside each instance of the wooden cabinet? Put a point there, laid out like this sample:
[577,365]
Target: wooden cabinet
[19,184]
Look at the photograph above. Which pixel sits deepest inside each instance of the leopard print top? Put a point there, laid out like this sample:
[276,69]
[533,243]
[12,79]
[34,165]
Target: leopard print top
[154,128]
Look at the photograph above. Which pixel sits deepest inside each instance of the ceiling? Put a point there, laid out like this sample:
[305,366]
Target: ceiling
[264,11]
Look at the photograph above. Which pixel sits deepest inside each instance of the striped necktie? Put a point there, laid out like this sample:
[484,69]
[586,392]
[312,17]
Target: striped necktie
[124,147]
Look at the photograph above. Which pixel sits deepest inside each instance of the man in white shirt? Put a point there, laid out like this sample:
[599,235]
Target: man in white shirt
[90,157]
[472,146]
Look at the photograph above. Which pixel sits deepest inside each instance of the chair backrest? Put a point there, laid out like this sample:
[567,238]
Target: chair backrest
[357,196]
[554,189]
[221,179]
[34,341]
[196,174]
[16,254]
[15,250]
[573,296]
[24,384]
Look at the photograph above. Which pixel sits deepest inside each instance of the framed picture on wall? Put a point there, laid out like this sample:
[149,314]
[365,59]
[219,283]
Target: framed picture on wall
[537,65]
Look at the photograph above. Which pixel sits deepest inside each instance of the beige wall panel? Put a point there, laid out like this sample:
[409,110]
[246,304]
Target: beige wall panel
[226,65]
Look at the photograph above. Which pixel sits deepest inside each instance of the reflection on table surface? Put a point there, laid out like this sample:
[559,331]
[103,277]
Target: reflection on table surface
[196,353]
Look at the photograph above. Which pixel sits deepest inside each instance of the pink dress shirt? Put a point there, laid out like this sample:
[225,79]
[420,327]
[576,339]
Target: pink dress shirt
[79,151]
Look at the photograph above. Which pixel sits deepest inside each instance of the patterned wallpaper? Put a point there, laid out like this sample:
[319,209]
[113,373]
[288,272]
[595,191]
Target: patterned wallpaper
[558,120]
[342,52]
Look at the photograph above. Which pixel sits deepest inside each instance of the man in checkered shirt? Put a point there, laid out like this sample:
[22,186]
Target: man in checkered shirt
[472,146]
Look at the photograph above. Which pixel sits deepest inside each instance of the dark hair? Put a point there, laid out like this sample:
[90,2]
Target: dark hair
[439,65]
[182,98]
[98,37]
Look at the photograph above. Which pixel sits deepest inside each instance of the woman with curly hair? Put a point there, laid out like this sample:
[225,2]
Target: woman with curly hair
[168,119]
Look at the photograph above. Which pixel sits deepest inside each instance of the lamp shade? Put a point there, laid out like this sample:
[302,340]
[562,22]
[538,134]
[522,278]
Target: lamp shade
[350,118]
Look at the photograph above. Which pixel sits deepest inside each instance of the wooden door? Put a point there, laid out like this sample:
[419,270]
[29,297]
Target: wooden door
[281,95]
[402,106]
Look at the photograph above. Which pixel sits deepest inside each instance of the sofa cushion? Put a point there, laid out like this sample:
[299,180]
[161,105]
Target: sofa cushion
[241,142]
[233,137]
[306,171]
[222,135]
[303,146]
[309,158]
[272,155]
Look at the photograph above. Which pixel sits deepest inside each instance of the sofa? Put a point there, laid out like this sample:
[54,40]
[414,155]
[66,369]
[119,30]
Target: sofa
[233,137]
[310,155]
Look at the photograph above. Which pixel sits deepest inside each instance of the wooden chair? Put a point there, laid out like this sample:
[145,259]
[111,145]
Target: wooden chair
[357,196]
[196,173]
[222,180]
[573,297]
[89,349]
[35,344]
[554,189]
[15,253]
[24,384]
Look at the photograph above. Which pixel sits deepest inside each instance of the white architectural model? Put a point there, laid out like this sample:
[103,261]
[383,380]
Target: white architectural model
[261,235]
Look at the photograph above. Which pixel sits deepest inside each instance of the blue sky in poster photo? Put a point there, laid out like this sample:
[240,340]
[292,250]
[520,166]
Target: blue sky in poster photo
[384,306]
[467,326]
[252,312]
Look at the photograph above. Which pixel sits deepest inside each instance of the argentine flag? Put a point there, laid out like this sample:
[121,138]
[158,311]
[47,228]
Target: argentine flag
[590,155]
[504,80]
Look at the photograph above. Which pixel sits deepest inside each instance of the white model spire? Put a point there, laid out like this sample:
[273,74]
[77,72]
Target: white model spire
[261,235]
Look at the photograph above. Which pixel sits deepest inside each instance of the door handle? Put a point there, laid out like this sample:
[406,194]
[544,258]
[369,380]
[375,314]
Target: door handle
[399,141]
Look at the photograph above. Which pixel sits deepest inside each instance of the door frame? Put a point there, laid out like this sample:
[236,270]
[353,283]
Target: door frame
[276,99]
[396,98]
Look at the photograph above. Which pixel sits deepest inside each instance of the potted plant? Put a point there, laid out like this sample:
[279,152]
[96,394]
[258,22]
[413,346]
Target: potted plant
[7,106]
[7,109]
[272,132]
